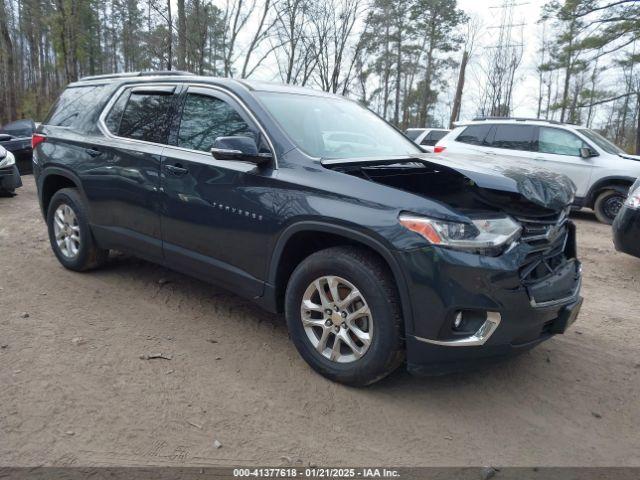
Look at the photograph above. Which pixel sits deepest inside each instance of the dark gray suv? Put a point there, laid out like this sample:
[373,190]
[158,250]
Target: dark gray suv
[311,205]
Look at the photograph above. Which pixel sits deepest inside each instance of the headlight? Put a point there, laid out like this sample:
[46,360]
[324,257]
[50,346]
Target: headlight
[484,233]
[633,200]
[8,160]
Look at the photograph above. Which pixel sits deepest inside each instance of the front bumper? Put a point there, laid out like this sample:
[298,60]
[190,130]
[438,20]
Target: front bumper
[10,178]
[520,314]
[626,231]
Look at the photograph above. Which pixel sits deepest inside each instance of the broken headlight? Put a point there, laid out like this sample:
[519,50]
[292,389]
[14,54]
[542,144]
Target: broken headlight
[480,234]
[633,200]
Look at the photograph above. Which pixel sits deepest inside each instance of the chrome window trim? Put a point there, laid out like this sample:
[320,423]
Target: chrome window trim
[114,98]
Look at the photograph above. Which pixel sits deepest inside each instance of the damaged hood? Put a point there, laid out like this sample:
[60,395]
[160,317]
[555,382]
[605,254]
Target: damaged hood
[540,186]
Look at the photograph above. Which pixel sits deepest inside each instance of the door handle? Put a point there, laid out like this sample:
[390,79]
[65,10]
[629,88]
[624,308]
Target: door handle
[92,152]
[176,169]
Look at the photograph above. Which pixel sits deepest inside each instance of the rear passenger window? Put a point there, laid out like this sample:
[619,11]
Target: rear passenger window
[145,116]
[474,134]
[205,118]
[514,137]
[73,104]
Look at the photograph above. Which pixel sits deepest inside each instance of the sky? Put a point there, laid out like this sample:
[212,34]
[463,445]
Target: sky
[526,14]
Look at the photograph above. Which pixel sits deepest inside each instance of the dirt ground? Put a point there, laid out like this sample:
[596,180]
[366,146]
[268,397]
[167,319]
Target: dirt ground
[74,390]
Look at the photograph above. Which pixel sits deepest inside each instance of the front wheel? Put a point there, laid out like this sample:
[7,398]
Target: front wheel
[344,316]
[608,204]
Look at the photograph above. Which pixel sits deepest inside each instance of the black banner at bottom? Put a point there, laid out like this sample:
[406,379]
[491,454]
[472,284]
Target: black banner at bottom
[398,473]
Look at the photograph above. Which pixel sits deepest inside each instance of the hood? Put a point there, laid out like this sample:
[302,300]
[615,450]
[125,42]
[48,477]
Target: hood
[542,187]
[538,185]
[629,157]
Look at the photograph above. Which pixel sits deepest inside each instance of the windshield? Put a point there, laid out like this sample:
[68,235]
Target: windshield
[328,127]
[602,142]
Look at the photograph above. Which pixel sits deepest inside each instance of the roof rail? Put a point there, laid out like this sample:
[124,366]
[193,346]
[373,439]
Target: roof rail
[135,74]
[519,119]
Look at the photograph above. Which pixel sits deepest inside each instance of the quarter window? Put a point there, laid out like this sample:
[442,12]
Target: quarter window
[559,142]
[513,137]
[205,118]
[474,134]
[72,105]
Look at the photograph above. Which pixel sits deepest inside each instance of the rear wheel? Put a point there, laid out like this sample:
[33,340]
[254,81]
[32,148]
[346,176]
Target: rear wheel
[69,232]
[344,317]
[608,204]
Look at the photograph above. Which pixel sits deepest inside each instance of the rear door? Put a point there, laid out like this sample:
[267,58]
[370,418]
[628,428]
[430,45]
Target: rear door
[516,142]
[122,179]
[214,211]
[471,139]
[558,150]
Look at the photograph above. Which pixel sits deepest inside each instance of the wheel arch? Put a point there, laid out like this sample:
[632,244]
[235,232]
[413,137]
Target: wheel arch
[300,240]
[616,182]
[53,179]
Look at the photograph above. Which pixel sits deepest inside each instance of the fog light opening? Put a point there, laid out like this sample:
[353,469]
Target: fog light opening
[457,322]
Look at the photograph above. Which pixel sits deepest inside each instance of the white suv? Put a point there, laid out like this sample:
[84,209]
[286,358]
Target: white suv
[426,137]
[601,171]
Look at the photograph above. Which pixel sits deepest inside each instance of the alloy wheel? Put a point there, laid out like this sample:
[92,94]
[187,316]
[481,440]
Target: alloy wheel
[336,319]
[66,230]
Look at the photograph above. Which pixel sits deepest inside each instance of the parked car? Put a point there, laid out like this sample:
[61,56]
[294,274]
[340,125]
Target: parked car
[16,137]
[373,258]
[426,137]
[601,171]
[9,175]
[626,226]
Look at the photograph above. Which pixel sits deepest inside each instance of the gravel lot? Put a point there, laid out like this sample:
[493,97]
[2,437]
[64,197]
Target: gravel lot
[74,390]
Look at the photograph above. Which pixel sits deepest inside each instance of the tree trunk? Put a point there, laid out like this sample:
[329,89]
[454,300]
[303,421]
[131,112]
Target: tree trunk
[396,111]
[638,128]
[457,101]
[170,39]
[182,36]
[10,110]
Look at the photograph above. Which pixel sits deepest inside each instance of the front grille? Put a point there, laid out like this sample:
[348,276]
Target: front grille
[547,238]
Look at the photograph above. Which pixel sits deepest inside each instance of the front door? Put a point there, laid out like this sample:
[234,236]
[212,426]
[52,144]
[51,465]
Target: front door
[559,151]
[214,211]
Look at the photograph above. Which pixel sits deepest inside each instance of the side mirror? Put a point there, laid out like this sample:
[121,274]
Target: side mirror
[586,152]
[242,149]
[5,137]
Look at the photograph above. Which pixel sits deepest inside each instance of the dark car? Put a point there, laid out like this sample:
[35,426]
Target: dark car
[373,251]
[16,137]
[626,226]
[9,175]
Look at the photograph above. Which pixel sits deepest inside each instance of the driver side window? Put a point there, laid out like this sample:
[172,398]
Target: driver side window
[559,142]
[205,118]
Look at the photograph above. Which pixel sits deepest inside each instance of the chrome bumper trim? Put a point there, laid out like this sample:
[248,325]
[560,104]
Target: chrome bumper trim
[479,338]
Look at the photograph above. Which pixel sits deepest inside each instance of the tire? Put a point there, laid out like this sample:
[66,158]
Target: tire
[607,205]
[352,268]
[83,254]
[7,193]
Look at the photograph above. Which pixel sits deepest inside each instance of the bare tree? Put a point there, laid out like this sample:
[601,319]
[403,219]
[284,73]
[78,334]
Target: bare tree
[472,30]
